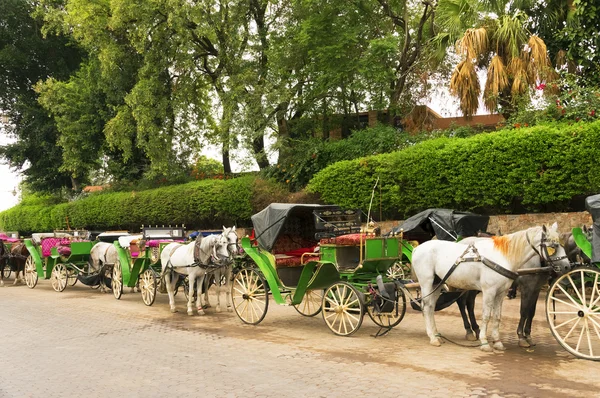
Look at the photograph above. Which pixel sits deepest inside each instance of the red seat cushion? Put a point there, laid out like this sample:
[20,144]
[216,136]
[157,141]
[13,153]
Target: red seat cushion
[349,240]
[288,262]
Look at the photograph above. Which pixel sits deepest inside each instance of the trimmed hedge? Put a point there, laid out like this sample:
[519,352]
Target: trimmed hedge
[202,204]
[543,168]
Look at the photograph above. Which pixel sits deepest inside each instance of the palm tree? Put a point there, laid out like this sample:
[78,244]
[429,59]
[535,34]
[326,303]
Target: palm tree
[516,61]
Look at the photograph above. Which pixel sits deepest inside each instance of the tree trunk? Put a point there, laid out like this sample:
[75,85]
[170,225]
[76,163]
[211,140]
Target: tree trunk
[258,146]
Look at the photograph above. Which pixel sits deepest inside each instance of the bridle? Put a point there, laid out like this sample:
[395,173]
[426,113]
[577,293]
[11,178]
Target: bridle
[547,251]
[235,250]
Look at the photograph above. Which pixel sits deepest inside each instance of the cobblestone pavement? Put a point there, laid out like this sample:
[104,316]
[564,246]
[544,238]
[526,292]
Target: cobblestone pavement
[84,343]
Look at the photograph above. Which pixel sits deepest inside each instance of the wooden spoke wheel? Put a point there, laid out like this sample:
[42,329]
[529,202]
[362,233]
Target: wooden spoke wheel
[311,303]
[573,312]
[148,286]
[389,319]
[396,271]
[72,275]
[116,283]
[343,308]
[31,275]
[250,296]
[6,270]
[60,277]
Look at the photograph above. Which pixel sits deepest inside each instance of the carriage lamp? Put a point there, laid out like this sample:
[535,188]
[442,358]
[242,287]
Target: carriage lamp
[14,192]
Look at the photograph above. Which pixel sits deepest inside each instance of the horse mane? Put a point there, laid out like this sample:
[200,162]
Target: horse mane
[512,246]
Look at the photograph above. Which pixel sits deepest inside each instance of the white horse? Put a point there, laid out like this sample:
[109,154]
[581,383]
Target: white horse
[177,258]
[101,254]
[509,252]
[222,274]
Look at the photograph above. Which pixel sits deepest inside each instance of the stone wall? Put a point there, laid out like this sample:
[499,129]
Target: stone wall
[506,224]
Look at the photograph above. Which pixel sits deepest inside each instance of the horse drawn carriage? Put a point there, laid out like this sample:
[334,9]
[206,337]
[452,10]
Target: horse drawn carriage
[138,260]
[7,240]
[60,256]
[319,258]
[573,299]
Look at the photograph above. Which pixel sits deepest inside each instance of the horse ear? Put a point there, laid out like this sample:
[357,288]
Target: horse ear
[544,229]
[224,229]
[555,226]
[233,228]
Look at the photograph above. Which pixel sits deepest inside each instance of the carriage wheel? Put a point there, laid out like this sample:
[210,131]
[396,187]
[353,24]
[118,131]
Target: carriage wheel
[31,275]
[573,312]
[148,286]
[343,308]
[396,271]
[59,277]
[389,319]
[311,303]
[72,274]
[116,283]
[250,296]
[6,270]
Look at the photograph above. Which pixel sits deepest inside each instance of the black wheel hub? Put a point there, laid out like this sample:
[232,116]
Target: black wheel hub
[580,313]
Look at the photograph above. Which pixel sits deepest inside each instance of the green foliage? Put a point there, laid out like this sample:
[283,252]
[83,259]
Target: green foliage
[202,204]
[205,167]
[313,155]
[578,100]
[543,168]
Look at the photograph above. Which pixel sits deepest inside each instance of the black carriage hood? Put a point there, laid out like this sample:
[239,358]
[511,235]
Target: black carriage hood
[592,205]
[458,223]
[269,222]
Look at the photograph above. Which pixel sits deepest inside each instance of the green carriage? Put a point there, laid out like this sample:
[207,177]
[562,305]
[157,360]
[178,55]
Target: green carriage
[8,239]
[573,299]
[60,256]
[319,258]
[138,260]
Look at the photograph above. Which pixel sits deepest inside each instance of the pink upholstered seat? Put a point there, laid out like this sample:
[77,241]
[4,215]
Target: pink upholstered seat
[345,240]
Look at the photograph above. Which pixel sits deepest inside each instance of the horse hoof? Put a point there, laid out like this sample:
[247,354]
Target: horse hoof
[471,337]
[435,342]
[1,283]
[523,343]
[173,310]
[229,309]
[499,346]
[191,313]
[530,341]
[218,309]
[486,348]
[201,311]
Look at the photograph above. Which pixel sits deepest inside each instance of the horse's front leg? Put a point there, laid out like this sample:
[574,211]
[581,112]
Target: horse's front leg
[200,283]
[496,317]
[193,281]
[218,277]
[206,287]
[228,289]
[488,305]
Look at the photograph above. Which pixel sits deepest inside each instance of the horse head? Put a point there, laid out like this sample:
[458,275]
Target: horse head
[220,250]
[551,251]
[232,241]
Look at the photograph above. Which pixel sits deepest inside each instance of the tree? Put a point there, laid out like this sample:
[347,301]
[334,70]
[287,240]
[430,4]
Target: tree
[516,61]
[25,58]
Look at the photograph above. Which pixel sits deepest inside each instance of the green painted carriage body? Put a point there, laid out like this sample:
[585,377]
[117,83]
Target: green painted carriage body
[80,255]
[357,264]
[133,267]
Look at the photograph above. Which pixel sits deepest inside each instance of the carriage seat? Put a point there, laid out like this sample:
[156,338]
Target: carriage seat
[294,258]
[345,240]
[48,243]
[7,239]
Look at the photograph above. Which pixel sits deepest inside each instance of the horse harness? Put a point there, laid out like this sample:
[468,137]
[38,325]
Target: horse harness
[472,255]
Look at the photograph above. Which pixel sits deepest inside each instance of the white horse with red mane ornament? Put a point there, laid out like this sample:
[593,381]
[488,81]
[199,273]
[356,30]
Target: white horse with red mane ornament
[487,265]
